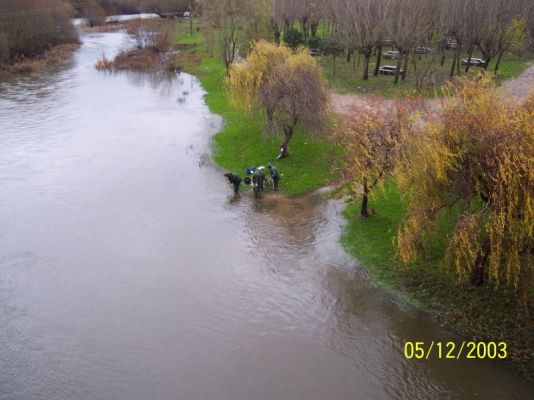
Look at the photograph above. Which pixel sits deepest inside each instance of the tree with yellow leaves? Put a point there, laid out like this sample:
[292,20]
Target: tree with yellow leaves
[476,157]
[373,138]
[287,86]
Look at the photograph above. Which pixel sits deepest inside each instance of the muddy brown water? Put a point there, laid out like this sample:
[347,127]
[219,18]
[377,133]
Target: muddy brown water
[127,271]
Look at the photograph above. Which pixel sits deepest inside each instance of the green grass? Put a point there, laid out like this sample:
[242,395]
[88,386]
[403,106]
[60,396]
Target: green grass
[370,240]
[242,142]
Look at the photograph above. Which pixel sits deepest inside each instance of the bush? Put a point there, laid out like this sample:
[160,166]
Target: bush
[30,35]
[293,38]
[150,35]
[314,43]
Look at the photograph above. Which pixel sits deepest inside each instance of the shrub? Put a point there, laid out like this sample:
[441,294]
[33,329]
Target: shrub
[293,38]
[31,34]
[314,42]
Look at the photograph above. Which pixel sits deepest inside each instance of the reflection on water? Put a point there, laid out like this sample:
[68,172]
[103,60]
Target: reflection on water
[128,270]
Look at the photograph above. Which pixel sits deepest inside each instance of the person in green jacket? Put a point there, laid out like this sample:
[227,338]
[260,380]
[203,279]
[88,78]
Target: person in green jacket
[258,178]
[275,175]
[235,180]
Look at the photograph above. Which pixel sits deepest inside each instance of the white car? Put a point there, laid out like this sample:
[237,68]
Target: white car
[389,70]
[423,50]
[477,62]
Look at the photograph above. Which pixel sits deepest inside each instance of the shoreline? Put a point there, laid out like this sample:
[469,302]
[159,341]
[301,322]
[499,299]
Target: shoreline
[55,55]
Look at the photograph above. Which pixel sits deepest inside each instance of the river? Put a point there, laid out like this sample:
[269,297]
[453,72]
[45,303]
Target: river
[127,271]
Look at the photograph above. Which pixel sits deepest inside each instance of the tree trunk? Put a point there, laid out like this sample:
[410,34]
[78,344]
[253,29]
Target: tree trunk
[334,65]
[304,26]
[284,148]
[349,53]
[453,65]
[405,71]
[378,60]
[476,277]
[442,62]
[397,71]
[458,61]
[498,63]
[486,64]
[366,65]
[277,36]
[313,28]
[469,60]
[364,212]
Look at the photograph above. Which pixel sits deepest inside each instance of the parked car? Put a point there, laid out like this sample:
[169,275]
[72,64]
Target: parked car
[477,62]
[451,44]
[389,70]
[391,54]
[423,50]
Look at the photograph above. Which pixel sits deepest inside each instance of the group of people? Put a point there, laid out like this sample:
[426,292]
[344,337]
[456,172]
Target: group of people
[255,176]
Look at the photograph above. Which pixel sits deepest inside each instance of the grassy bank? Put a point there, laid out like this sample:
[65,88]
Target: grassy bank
[242,143]
[482,313]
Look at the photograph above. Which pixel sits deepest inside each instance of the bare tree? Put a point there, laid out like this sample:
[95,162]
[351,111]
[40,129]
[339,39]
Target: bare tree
[233,22]
[408,26]
[360,22]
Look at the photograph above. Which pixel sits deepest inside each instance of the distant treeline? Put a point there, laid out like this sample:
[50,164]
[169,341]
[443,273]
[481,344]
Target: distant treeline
[111,7]
[28,28]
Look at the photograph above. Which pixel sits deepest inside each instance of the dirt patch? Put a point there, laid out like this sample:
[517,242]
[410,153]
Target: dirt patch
[522,85]
[518,87]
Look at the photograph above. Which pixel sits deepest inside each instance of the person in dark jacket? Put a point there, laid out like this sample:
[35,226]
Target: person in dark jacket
[235,180]
[275,175]
[258,177]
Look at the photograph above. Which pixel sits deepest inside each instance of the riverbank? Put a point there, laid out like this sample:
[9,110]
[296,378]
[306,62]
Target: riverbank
[481,313]
[469,312]
[241,142]
[54,55]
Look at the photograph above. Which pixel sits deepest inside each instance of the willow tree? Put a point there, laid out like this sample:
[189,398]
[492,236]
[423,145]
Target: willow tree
[288,87]
[373,138]
[476,160]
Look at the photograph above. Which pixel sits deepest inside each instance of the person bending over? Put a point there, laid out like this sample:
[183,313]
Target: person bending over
[275,175]
[235,180]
